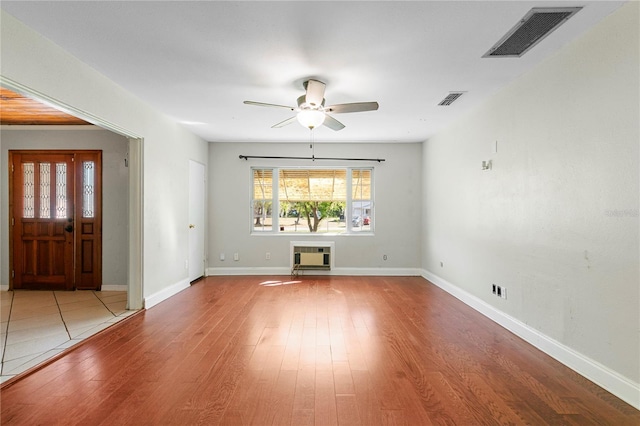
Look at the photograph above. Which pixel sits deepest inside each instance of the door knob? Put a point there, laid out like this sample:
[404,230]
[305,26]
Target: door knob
[191,225]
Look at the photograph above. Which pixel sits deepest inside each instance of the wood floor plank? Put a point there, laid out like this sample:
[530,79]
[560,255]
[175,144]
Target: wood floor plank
[305,392]
[325,401]
[310,351]
[366,399]
[303,418]
[245,396]
[342,378]
[347,410]
[480,392]
[282,398]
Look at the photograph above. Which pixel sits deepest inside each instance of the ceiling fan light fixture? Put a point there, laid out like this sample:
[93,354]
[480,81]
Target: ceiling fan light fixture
[310,118]
[311,111]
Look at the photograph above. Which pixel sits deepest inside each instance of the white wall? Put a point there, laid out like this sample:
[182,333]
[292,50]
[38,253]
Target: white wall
[34,62]
[397,214]
[556,219]
[115,182]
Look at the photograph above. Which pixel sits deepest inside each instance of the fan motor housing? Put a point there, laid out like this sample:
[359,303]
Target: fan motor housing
[302,103]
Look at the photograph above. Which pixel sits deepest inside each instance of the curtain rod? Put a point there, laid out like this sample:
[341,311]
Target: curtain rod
[312,158]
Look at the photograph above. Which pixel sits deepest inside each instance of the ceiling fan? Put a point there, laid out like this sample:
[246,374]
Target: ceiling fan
[311,111]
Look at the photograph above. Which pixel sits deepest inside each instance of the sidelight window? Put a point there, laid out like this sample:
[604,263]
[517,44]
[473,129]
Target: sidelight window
[88,188]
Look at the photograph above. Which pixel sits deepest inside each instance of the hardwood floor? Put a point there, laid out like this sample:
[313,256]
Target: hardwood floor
[317,350]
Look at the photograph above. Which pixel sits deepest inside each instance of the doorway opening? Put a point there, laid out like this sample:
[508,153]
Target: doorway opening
[135,181]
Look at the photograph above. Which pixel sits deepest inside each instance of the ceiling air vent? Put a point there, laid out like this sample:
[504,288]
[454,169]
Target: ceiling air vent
[538,23]
[450,98]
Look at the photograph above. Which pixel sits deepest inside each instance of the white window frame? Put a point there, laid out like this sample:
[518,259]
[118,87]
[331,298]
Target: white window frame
[275,202]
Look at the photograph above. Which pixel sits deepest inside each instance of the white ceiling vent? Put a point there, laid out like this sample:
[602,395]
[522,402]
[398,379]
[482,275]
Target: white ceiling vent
[538,23]
[450,98]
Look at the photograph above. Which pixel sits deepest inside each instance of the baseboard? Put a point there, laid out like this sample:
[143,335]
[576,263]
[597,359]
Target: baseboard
[413,272]
[166,293]
[383,272]
[4,288]
[114,287]
[601,375]
[248,271]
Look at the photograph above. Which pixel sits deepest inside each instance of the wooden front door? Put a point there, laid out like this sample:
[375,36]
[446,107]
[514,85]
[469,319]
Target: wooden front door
[56,220]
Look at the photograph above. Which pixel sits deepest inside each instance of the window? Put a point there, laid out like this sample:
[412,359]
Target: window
[262,203]
[299,200]
[88,191]
[361,199]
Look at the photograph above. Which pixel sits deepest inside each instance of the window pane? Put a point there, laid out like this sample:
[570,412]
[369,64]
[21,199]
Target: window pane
[262,203]
[312,200]
[262,215]
[361,205]
[45,190]
[61,190]
[361,184]
[291,219]
[262,184]
[312,185]
[88,189]
[28,177]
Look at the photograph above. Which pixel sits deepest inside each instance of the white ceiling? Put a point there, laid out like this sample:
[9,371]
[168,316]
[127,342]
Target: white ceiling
[198,61]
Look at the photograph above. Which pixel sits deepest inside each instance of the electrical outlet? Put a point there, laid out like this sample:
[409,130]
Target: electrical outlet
[236,256]
[384,257]
[222,257]
[499,291]
[267,256]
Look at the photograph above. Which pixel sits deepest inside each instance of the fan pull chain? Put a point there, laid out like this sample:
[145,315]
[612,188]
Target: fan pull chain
[312,145]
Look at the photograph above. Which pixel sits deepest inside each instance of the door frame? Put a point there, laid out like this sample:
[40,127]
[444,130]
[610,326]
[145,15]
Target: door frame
[197,220]
[83,229]
[136,181]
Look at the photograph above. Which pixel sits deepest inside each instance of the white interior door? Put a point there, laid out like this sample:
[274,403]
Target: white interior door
[196,220]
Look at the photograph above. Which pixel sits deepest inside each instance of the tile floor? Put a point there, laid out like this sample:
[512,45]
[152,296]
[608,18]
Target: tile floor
[37,325]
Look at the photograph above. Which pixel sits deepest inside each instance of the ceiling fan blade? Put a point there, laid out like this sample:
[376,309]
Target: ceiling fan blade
[269,105]
[354,107]
[315,93]
[285,122]
[332,123]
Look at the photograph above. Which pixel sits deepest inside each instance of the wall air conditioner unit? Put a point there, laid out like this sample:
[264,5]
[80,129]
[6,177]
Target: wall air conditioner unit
[311,255]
